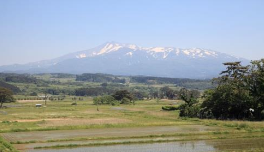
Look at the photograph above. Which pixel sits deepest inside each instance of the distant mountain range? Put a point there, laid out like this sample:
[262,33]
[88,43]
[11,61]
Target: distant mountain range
[128,59]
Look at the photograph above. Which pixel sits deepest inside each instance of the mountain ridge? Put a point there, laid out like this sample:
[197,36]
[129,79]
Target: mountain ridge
[130,59]
[114,46]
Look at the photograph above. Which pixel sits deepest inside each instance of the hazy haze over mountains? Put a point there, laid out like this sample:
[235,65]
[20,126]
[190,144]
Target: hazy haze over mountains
[129,59]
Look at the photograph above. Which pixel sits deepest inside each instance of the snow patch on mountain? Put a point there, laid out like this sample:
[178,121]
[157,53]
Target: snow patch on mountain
[155,52]
[81,56]
[129,53]
[109,48]
[133,47]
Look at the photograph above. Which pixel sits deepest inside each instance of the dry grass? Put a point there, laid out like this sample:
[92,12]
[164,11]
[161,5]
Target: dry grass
[73,122]
[29,101]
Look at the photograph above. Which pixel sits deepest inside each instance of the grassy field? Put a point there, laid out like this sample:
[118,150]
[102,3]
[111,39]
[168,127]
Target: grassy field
[22,125]
[24,116]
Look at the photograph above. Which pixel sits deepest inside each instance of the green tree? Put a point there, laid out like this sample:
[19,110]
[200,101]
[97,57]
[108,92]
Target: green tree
[106,99]
[139,95]
[6,95]
[123,96]
[255,83]
[97,102]
[231,98]
[190,108]
[167,92]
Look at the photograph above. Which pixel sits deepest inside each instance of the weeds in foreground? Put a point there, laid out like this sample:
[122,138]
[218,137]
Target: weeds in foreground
[6,146]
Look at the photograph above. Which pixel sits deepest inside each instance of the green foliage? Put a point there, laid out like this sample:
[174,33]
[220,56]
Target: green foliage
[6,95]
[21,78]
[124,96]
[6,146]
[125,101]
[99,78]
[255,84]
[139,95]
[107,99]
[96,85]
[169,108]
[163,80]
[97,91]
[189,96]
[190,108]
[189,111]
[119,97]
[11,87]
[166,92]
[239,94]
[61,75]
[182,82]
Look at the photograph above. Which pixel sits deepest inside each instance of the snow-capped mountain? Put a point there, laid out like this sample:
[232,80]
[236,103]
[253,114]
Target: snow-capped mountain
[129,59]
[155,52]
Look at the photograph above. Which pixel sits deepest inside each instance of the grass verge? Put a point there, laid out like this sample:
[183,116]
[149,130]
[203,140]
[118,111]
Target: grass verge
[6,146]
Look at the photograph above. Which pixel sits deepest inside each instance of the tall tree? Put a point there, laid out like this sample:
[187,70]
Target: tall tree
[230,99]
[255,84]
[123,96]
[190,108]
[6,95]
[166,92]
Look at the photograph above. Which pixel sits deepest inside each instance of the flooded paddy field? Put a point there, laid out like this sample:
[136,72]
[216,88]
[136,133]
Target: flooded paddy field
[183,146]
[107,132]
[25,141]
[200,136]
[143,127]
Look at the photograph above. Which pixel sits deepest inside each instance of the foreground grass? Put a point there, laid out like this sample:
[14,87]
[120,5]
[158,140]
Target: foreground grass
[144,113]
[26,117]
[95,126]
[5,146]
[249,126]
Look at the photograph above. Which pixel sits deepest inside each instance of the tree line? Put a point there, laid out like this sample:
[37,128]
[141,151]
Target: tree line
[89,77]
[119,97]
[148,80]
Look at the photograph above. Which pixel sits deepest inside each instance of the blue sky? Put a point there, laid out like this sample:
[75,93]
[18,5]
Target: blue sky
[33,30]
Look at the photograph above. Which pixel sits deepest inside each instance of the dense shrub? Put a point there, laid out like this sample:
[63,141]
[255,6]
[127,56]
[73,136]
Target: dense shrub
[169,108]
[107,99]
[190,108]
[119,97]
[189,111]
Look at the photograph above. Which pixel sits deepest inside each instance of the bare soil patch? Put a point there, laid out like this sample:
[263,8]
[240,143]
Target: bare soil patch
[29,101]
[159,113]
